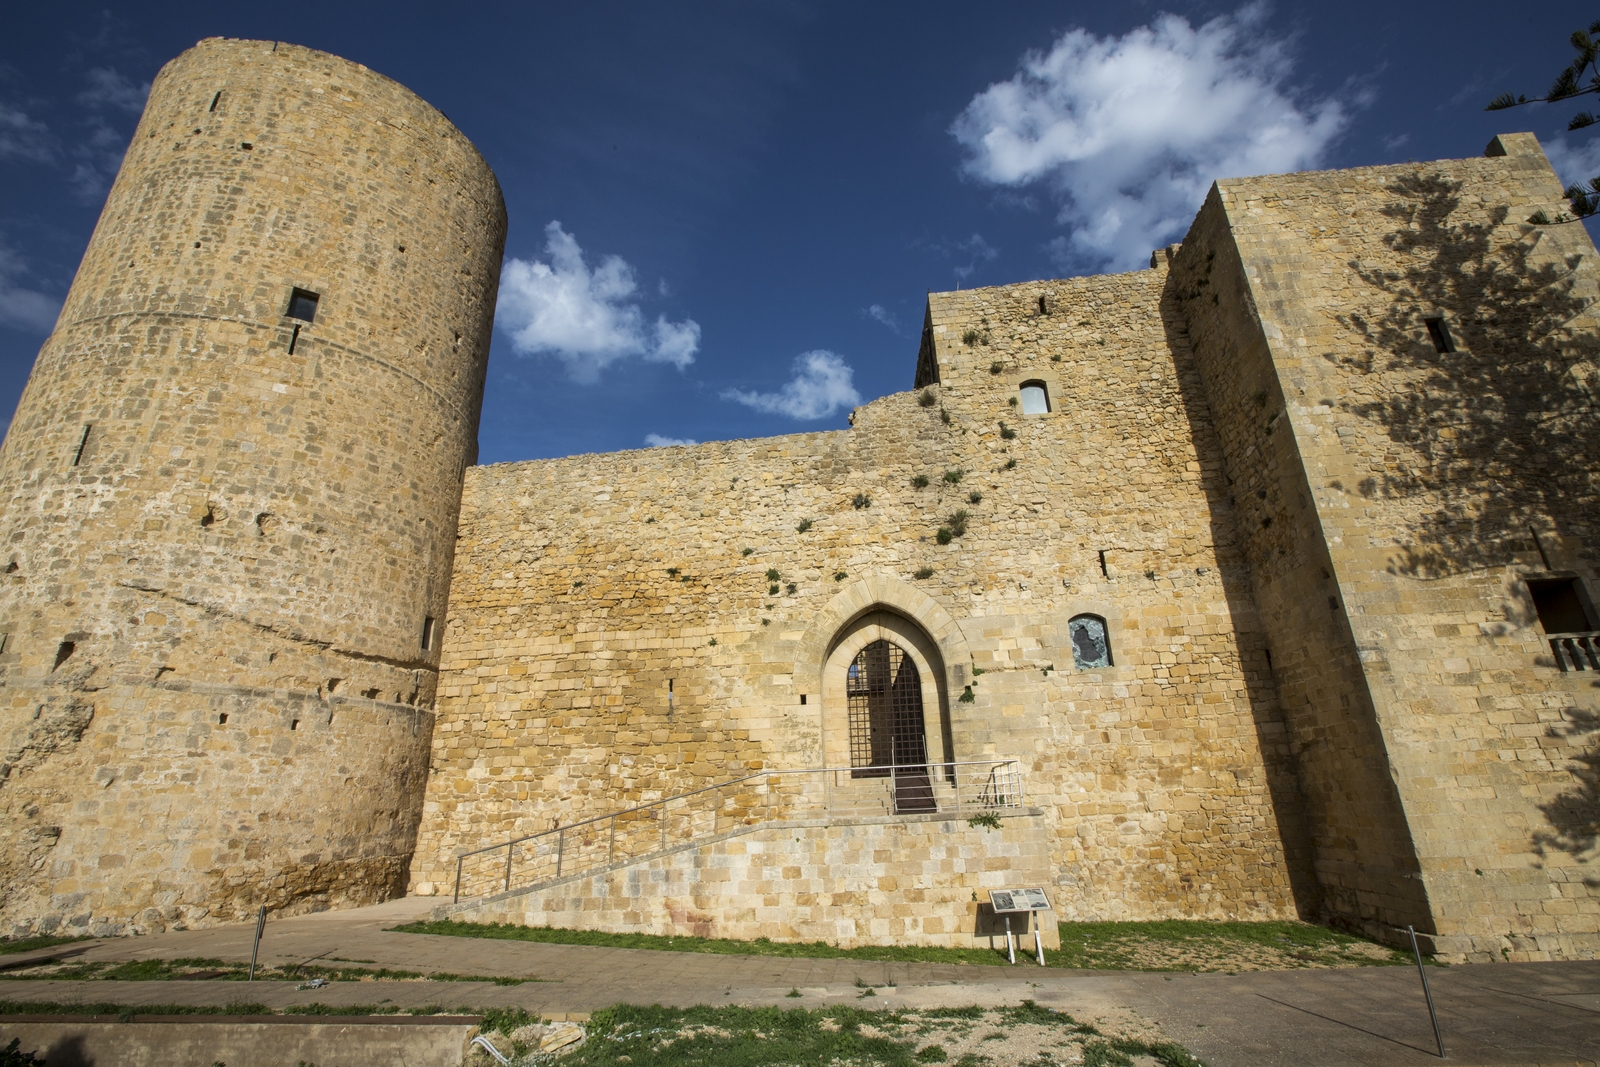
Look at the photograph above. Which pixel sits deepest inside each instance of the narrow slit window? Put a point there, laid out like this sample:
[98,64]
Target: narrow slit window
[214,100]
[1035,398]
[427,634]
[83,444]
[303,305]
[1439,334]
[294,339]
[1561,606]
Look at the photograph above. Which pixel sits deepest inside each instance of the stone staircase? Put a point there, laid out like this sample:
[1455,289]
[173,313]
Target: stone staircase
[829,854]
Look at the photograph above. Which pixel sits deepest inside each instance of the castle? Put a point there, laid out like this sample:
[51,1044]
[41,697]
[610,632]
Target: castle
[1251,585]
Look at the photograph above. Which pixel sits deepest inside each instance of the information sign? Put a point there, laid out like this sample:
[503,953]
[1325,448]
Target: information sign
[1004,900]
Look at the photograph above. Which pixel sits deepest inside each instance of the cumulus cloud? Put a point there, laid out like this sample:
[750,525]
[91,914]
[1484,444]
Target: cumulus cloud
[107,88]
[22,308]
[655,440]
[820,386]
[587,318]
[1127,133]
[22,137]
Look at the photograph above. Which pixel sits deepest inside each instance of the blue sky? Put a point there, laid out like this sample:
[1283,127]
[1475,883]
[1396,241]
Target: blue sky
[725,216]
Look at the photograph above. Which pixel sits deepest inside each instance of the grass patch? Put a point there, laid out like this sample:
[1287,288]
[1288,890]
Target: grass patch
[1170,945]
[716,946]
[197,967]
[28,944]
[751,1037]
[124,1011]
[1198,945]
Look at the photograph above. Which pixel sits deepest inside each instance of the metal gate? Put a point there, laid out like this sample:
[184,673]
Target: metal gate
[887,735]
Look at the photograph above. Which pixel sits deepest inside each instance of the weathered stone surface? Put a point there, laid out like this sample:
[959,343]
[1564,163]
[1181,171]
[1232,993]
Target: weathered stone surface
[905,881]
[1392,501]
[219,553]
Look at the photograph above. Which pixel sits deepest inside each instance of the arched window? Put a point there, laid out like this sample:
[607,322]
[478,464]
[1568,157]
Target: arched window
[1035,398]
[1091,646]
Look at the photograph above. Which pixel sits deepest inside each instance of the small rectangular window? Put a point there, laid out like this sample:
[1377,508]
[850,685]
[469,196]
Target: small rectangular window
[1439,334]
[1562,607]
[303,305]
[427,634]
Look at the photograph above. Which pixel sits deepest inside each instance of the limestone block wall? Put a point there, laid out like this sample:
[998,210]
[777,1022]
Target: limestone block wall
[920,881]
[220,521]
[1437,481]
[614,635]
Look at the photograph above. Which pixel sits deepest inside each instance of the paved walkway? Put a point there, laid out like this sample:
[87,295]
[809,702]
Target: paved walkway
[1534,1013]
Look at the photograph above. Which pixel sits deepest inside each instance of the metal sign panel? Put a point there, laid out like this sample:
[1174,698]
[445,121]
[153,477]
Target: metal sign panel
[1015,900]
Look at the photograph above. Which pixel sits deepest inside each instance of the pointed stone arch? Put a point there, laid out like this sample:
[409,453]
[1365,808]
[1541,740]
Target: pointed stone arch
[887,609]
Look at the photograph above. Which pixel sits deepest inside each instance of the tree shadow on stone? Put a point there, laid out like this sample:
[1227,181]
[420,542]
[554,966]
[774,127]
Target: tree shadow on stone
[1499,434]
[1574,816]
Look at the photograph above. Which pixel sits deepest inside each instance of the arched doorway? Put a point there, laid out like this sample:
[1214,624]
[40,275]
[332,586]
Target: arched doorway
[888,738]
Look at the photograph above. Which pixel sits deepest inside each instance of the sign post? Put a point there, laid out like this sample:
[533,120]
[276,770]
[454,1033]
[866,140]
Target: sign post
[1027,902]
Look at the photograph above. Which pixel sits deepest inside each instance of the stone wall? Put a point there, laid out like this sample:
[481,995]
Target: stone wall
[908,881]
[221,522]
[1393,499]
[614,635]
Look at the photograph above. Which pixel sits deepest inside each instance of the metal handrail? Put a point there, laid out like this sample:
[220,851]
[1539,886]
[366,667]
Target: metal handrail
[993,794]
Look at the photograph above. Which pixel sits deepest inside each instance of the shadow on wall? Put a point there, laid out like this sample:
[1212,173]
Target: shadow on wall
[1575,815]
[1495,417]
[1272,734]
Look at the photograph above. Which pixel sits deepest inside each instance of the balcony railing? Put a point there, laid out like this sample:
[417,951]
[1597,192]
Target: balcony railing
[1576,651]
[821,794]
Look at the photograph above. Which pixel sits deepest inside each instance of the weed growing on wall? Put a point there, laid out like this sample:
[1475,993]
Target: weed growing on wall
[926,399]
[919,481]
[805,524]
[954,475]
[923,572]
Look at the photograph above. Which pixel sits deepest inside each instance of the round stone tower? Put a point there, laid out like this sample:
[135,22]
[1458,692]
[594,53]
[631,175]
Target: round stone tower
[229,496]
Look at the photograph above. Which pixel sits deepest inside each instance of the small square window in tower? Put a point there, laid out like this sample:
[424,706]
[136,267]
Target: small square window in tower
[1035,398]
[303,305]
[1562,606]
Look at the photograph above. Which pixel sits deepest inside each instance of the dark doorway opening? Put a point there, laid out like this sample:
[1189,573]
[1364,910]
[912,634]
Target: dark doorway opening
[887,734]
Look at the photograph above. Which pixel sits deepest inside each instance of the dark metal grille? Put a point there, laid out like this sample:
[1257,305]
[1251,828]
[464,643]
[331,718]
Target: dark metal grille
[885,710]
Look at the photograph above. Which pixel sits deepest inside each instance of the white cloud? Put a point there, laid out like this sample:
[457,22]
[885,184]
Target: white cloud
[1574,164]
[21,308]
[655,440]
[586,318]
[22,137]
[107,88]
[821,385]
[1129,132]
[883,315]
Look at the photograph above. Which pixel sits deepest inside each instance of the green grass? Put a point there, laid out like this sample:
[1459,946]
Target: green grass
[1087,946]
[729,1036]
[717,946]
[185,967]
[751,1037]
[28,944]
[1116,945]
